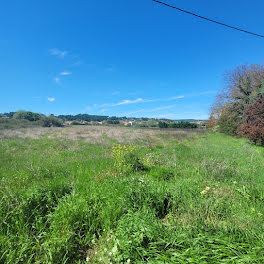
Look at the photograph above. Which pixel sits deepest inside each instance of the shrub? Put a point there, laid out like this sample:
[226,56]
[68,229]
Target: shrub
[177,125]
[243,85]
[30,116]
[163,125]
[230,119]
[126,158]
[253,121]
[51,121]
[113,122]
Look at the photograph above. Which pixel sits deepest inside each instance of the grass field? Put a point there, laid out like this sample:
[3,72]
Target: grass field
[68,196]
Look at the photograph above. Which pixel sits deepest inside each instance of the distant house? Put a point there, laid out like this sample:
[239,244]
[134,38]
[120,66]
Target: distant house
[3,116]
[68,122]
[129,123]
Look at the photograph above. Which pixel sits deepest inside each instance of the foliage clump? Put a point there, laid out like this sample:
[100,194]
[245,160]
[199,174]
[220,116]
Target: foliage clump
[27,115]
[21,119]
[126,158]
[233,110]
[51,121]
[253,121]
[181,124]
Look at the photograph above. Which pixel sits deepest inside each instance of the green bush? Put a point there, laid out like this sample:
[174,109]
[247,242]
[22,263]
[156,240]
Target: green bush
[51,121]
[27,115]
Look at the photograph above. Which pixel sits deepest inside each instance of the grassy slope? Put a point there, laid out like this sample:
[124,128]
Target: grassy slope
[200,201]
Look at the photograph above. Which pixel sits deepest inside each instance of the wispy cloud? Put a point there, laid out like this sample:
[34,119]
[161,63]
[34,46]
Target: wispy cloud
[51,99]
[141,100]
[175,98]
[58,53]
[57,80]
[124,102]
[77,63]
[167,116]
[65,73]
[157,109]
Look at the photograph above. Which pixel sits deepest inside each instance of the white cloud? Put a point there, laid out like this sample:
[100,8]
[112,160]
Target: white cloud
[140,100]
[176,97]
[125,102]
[51,99]
[59,53]
[65,73]
[167,116]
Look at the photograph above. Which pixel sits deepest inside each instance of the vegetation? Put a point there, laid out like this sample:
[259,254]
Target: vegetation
[235,107]
[27,115]
[113,122]
[193,199]
[23,119]
[253,124]
[177,125]
[83,117]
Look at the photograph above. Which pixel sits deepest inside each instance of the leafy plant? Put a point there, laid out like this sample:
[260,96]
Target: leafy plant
[126,158]
[253,121]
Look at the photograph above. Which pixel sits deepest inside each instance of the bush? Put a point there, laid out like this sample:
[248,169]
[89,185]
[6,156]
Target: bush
[253,121]
[243,85]
[113,122]
[230,119]
[126,158]
[163,125]
[177,125]
[27,115]
[51,121]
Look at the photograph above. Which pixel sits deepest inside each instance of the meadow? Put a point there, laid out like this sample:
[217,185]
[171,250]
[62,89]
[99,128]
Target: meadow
[123,195]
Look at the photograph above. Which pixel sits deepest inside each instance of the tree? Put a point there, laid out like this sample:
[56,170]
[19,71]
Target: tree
[231,118]
[253,121]
[242,85]
[243,82]
[51,121]
[163,125]
[27,115]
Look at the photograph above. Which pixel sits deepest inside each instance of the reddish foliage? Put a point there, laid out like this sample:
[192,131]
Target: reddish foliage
[253,121]
[212,122]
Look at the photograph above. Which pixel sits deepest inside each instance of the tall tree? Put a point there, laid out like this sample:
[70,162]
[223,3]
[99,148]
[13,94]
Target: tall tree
[253,121]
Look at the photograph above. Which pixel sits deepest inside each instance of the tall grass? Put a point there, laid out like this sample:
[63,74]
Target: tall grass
[194,200]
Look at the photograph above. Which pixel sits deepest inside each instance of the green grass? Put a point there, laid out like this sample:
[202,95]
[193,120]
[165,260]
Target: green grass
[198,200]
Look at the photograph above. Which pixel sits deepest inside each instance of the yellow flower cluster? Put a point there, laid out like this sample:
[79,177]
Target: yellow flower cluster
[206,190]
[120,152]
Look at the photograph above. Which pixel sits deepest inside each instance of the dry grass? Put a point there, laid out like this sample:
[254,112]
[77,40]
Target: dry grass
[32,132]
[96,134]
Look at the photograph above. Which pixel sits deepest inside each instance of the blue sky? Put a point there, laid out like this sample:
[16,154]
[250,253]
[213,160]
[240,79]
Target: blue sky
[123,58]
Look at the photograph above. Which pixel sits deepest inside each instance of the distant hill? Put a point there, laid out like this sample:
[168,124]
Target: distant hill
[99,118]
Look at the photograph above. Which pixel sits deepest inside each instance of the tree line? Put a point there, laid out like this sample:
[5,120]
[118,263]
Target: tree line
[28,118]
[177,125]
[238,109]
